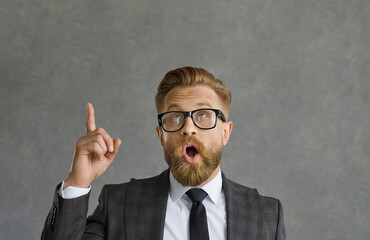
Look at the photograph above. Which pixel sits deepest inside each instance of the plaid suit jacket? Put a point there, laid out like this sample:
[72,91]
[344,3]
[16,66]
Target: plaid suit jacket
[136,210]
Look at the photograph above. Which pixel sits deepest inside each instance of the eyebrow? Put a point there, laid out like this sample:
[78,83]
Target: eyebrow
[175,105]
[204,104]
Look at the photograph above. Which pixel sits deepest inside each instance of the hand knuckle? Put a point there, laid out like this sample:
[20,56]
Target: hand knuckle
[99,138]
[96,146]
[100,152]
[79,142]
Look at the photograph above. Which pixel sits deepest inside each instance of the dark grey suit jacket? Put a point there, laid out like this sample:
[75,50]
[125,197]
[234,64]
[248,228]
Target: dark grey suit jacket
[137,210]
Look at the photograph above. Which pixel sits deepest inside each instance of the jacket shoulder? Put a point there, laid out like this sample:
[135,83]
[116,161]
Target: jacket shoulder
[137,182]
[250,213]
[250,195]
[161,177]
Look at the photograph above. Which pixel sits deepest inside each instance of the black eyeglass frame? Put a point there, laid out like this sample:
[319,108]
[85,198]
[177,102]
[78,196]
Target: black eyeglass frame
[190,114]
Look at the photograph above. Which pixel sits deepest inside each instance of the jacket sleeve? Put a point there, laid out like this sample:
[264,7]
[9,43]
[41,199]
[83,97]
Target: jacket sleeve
[66,218]
[280,231]
[96,227]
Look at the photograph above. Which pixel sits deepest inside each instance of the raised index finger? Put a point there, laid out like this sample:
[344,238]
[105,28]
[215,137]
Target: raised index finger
[90,121]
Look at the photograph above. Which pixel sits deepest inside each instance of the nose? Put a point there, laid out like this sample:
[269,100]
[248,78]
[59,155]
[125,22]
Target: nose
[189,128]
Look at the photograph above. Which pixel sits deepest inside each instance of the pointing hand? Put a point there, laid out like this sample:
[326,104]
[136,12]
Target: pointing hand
[94,153]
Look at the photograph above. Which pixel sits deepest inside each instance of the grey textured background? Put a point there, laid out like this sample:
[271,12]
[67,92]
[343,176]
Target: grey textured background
[298,70]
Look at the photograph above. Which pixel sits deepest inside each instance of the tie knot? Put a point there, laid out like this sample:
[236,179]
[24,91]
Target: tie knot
[196,194]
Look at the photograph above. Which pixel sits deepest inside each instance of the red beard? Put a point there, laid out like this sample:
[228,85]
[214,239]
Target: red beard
[192,174]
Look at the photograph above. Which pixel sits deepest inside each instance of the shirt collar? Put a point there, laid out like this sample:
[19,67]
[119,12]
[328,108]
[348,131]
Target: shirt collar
[212,188]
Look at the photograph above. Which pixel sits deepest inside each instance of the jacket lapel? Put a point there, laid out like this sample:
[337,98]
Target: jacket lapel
[145,207]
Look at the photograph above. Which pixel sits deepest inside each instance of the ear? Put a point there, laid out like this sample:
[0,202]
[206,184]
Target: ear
[160,134]
[228,127]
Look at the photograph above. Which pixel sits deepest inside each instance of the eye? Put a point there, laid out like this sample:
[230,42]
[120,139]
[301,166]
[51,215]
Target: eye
[172,118]
[176,116]
[202,115]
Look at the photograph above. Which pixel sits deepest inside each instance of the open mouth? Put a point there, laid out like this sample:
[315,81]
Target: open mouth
[190,152]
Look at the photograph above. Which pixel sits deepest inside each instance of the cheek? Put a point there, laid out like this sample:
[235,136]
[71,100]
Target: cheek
[214,139]
[169,140]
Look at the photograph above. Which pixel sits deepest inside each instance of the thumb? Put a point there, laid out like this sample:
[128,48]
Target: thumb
[112,155]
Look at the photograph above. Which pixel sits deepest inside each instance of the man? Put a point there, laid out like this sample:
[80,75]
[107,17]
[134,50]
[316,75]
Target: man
[193,109]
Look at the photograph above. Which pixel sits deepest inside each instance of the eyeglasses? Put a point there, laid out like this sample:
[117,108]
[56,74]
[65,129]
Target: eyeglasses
[205,118]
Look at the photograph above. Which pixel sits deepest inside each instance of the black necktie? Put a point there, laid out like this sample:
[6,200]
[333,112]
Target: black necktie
[198,216]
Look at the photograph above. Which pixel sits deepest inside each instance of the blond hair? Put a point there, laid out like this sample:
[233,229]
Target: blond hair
[189,76]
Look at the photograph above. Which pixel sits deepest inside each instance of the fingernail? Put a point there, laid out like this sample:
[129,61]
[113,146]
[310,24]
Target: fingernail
[111,148]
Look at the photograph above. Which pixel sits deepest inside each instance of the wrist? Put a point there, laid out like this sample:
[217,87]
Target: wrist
[68,182]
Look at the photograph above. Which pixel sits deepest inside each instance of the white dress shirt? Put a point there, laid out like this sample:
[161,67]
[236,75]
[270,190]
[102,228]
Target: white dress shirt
[178,208]
[72,192]
[179,205]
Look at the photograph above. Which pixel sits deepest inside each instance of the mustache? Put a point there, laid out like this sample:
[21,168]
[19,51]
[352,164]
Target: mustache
[191,139]
[177,150]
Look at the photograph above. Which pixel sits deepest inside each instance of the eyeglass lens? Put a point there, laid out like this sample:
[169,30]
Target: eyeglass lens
[202,118]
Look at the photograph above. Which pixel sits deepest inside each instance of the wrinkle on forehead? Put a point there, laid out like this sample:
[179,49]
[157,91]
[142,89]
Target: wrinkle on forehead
[200,104]
[178,95]
[202,95]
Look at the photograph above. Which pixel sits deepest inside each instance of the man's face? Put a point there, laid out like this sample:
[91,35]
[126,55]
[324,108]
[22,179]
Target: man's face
[193,154]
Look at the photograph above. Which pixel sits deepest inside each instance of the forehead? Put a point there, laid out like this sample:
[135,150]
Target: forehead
[187,98]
